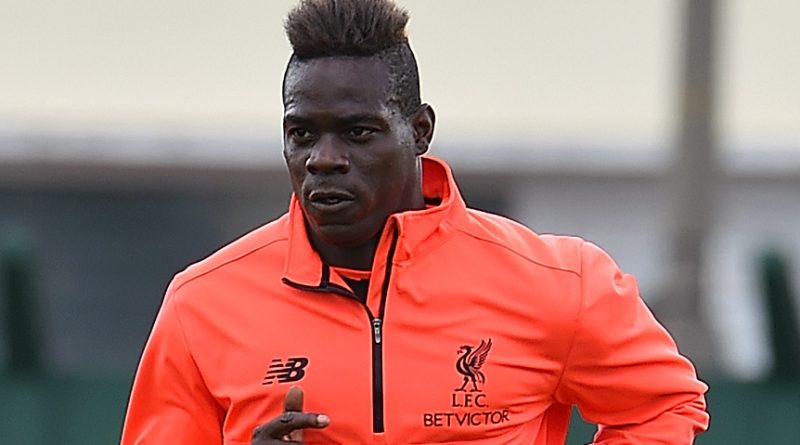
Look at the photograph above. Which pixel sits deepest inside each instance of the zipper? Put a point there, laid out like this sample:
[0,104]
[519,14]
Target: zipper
[377,329]
[377,377]
[377,344]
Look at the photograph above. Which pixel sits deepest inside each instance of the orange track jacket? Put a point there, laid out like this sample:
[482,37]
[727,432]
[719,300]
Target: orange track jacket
[475,330]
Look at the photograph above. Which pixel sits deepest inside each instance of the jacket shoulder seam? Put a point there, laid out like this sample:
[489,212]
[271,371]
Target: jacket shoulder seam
[514,251]
[578,319]
[225,263]
[187,346]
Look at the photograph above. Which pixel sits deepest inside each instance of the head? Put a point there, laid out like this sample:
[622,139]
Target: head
[354,125]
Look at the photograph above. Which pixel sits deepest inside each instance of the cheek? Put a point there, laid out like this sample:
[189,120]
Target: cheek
[292,157]
[296,167]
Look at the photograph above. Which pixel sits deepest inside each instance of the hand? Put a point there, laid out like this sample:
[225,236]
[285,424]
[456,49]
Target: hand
[289,426]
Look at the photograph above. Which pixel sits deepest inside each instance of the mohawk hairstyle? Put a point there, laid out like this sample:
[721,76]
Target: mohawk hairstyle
[358,28]
[319,28]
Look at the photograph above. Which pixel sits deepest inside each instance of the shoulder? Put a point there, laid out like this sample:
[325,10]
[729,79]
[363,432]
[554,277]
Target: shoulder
[239,253]
[557,252]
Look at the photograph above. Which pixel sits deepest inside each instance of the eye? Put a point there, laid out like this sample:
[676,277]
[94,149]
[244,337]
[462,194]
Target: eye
[300,135]
[360,133]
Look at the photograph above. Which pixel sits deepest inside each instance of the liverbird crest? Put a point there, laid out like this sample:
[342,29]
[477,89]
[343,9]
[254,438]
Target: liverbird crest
[470,362]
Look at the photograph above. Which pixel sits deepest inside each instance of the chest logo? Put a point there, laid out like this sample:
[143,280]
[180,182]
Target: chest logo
[292,370]
[469,406]
[470,362]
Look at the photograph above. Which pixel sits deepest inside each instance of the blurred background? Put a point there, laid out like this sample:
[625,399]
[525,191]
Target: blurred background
[137,137]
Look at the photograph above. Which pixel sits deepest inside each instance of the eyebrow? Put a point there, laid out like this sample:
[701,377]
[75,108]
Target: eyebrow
[295,119]
[347,119]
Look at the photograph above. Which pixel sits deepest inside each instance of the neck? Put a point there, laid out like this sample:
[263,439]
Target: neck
[351,257]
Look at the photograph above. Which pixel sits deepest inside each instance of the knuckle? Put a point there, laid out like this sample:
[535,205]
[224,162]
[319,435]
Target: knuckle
[287,417]
[280,427]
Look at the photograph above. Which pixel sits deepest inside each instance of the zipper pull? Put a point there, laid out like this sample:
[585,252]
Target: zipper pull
[376,329]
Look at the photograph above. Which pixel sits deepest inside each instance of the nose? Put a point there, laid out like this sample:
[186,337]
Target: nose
[327,157]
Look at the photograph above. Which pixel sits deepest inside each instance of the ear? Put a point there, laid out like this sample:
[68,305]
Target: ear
[423,122]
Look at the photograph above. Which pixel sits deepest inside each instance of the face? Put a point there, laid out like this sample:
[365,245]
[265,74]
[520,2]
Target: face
[352,157]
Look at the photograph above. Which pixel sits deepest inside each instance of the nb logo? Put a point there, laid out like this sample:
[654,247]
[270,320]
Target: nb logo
[292,370]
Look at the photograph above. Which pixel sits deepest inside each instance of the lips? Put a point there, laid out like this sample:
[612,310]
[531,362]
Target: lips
[330,199]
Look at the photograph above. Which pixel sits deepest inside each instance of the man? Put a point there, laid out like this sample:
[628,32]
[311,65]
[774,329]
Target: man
[397,313]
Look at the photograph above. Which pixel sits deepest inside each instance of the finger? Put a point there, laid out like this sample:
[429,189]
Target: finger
[289,421]
[294,436]
[293,400]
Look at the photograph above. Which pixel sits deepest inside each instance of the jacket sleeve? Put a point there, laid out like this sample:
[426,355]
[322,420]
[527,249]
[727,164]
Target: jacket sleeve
[624,371]
[170,402]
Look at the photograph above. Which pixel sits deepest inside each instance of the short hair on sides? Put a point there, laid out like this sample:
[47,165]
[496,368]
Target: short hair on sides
[358,28]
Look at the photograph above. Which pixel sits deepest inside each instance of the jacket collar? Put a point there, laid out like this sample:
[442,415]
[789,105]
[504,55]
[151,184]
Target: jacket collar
[418,231]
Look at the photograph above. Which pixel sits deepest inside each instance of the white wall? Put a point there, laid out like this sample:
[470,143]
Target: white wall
[514,70]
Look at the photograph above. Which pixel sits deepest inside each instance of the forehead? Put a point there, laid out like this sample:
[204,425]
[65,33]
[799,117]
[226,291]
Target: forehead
[336,83]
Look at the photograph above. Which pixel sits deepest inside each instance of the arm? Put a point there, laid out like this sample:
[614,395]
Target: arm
[170,402]
[624,371]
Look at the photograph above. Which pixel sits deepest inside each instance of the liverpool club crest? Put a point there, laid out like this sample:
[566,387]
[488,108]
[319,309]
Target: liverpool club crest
[470,362]
[469,404]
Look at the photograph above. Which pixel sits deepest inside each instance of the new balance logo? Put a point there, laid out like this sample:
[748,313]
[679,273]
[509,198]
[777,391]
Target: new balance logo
[292,370]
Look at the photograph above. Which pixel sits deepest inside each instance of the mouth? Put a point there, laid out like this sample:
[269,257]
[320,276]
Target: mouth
[330,199]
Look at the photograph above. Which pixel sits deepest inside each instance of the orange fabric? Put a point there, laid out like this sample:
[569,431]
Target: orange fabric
[489,333]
